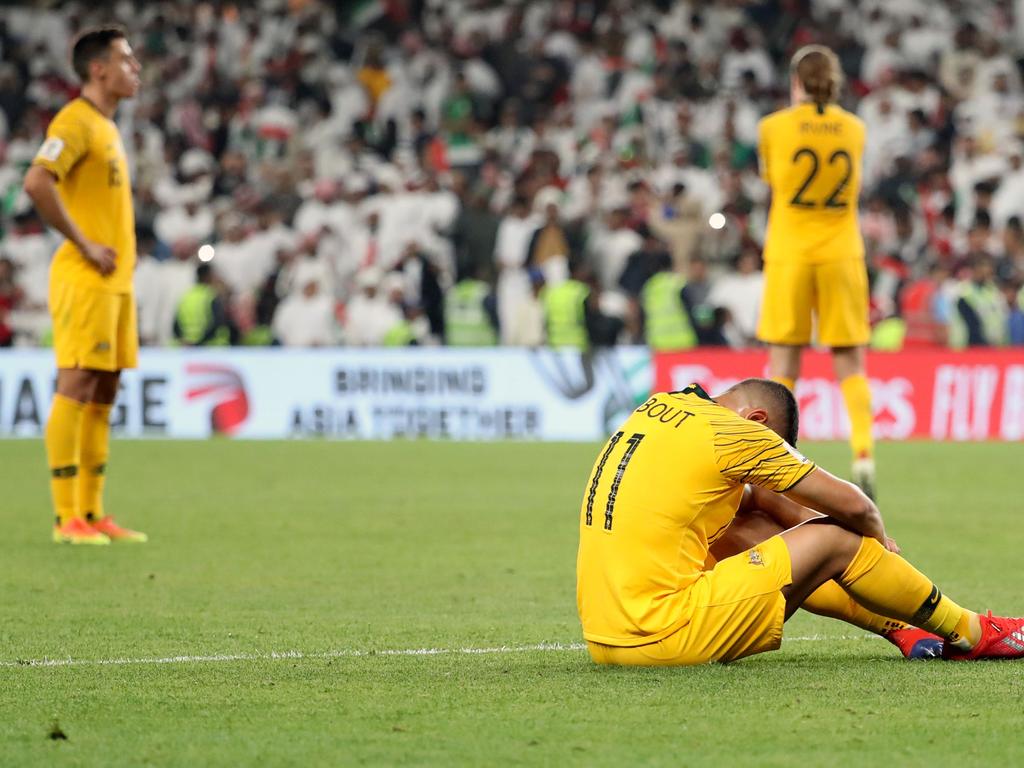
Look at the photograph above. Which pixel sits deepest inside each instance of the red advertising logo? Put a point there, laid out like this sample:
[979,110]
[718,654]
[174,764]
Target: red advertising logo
[936,394]
[223,385]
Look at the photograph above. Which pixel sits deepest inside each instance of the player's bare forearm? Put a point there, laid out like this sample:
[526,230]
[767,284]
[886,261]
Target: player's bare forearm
[761,515]
[840,500]
[784,511]
[41,188]
[748,529]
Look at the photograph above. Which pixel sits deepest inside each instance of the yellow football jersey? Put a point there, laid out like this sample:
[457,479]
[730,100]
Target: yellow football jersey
[811,159]
[83,150]
[663,488]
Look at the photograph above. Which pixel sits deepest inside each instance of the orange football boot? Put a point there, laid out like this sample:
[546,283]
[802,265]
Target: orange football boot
[115,532]
[77,531]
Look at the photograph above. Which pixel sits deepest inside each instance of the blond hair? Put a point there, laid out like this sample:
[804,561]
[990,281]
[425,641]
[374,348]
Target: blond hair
[817,69]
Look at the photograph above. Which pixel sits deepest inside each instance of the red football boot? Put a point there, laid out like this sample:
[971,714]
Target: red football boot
[1001,638]
[915,643]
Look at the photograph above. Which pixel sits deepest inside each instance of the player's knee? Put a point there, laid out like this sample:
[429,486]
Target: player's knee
[77,384]
[843,543]
[105,390]
[848,544]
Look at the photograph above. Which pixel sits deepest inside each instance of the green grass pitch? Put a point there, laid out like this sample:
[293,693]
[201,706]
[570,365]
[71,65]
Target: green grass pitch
[333,554]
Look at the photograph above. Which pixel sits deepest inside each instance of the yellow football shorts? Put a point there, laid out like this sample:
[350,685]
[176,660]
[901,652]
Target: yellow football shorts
[740,610]
[835,293]
[93,329]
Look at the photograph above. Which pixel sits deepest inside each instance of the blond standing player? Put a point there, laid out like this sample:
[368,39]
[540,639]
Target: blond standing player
[815,273]
[80,186]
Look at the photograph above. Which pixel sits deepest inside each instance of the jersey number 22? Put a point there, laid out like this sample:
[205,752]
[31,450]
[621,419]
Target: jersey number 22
[840,157]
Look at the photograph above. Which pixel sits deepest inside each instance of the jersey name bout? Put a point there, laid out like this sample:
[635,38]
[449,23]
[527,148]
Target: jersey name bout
[663,413]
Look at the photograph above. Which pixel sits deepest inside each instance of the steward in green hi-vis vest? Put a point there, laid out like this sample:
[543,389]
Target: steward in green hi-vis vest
[989,307]
[258,336]
[667,326]
[565,314]
[466,321]
[400,335]
[197,322]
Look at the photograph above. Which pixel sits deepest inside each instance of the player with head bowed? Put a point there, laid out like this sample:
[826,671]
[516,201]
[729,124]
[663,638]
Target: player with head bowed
[702,529]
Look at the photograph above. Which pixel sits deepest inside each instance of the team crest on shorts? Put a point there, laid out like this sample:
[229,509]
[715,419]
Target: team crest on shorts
[755,558]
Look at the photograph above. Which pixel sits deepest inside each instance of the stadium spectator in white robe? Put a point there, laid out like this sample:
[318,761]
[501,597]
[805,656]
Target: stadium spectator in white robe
[306,318]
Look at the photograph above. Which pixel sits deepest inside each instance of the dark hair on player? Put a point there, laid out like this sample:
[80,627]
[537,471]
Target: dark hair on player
[817,68]
[781,404]
[93,44]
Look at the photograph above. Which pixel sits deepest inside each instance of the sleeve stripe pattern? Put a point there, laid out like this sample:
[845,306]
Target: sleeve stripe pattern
[748,452]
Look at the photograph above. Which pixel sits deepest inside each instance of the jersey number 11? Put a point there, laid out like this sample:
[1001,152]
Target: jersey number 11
[631,446]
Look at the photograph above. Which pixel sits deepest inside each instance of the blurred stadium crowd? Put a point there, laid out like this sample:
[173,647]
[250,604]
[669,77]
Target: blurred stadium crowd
[421,171]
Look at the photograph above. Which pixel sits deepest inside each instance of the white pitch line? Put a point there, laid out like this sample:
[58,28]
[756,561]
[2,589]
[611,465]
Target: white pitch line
[349,653]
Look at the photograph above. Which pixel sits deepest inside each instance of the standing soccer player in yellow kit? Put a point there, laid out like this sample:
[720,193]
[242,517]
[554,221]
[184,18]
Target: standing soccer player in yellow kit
[80,186]
[814,254]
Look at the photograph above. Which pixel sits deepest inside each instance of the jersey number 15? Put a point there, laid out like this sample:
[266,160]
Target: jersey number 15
[631,446]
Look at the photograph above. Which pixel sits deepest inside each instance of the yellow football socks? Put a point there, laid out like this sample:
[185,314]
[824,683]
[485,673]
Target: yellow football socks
[95,451]
[63,450]
[789,383]
[887,584]
[857,395]
[833,601]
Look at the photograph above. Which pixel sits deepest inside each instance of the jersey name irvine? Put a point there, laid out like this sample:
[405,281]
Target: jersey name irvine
[834,129]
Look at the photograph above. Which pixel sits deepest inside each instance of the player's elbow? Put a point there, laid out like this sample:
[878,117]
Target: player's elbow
[37,182]
[859,509]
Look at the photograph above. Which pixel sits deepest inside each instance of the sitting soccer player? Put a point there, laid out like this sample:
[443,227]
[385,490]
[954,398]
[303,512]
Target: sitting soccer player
[664,491]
